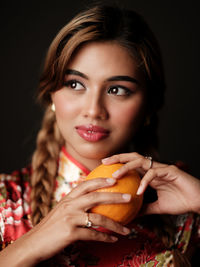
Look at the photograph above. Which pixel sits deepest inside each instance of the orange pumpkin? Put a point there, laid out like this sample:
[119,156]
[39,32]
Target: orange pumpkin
[123,212]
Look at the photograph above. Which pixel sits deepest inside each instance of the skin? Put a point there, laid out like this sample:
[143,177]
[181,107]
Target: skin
[91,101]
[116,105]
[177,191]
[65,223]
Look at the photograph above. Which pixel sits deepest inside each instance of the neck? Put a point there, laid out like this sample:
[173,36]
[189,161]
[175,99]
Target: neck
[91,159]
[88,163]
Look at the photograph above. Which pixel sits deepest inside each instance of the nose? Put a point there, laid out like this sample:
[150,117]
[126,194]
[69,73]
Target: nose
[95,106]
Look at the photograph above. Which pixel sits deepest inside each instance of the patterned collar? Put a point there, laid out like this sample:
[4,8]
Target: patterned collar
[70,173]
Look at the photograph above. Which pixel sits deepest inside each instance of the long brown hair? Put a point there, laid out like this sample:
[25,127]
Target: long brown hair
[100,23]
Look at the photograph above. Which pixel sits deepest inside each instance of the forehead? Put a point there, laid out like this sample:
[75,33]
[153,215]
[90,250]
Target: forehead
[101,57]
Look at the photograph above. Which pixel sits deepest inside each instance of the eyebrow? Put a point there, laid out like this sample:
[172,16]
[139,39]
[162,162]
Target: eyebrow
[123,78]
[111,79]
[77,73]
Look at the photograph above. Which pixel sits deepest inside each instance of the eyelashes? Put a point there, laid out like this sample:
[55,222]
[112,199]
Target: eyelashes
[119,90]
[74,84]
[116,90]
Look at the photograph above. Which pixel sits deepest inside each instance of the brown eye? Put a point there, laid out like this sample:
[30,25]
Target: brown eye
[119,91]
[113,90]
[75,85]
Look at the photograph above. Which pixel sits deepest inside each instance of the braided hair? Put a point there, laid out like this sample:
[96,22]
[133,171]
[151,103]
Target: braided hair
[99,23]
[95,24]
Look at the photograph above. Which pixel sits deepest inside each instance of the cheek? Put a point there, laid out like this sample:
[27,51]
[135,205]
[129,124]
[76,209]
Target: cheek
[65,107]
[64,110]
[128,115]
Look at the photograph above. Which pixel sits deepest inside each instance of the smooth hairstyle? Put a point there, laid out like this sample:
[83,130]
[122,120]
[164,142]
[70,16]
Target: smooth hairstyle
[99,24]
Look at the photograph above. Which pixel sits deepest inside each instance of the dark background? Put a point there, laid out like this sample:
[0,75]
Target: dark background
[28,27]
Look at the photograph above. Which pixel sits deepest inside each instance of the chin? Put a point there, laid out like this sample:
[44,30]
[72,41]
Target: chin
[94,152]
[97,155]
[99,152]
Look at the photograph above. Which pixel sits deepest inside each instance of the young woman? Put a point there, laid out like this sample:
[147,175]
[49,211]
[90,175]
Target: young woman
[102,87]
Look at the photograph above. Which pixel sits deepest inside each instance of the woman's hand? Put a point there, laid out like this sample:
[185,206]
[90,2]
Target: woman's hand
[177,191]
[66,223]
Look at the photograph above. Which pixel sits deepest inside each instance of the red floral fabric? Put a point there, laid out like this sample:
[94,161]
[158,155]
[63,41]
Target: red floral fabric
[14,205]
[140,248]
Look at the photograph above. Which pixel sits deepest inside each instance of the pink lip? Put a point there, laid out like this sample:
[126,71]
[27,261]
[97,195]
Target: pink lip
[92,133]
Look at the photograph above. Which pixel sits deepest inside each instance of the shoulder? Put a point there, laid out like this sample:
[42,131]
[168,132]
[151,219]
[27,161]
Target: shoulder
[13,185]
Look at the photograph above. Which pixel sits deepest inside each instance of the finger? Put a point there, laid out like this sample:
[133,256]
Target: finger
[100,220]
[150,176]
[91,234]
[132,161]
[138,164]
[92,199]
[121,158]
[90,185]
[81,219]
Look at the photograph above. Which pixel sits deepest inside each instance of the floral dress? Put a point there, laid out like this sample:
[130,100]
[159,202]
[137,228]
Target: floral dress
[140,248]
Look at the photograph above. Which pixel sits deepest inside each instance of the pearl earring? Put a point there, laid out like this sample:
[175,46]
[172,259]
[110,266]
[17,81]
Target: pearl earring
[53,108]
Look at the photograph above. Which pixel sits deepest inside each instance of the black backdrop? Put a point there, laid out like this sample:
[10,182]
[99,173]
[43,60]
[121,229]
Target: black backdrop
[27,28]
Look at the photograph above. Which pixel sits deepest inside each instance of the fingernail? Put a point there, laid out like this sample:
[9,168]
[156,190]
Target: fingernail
[126,197]
[104,160]
[114,238]
[110,180]
[139,191]
[126,230]
[115,174]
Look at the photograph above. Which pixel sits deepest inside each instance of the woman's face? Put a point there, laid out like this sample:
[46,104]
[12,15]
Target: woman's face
[101,103]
